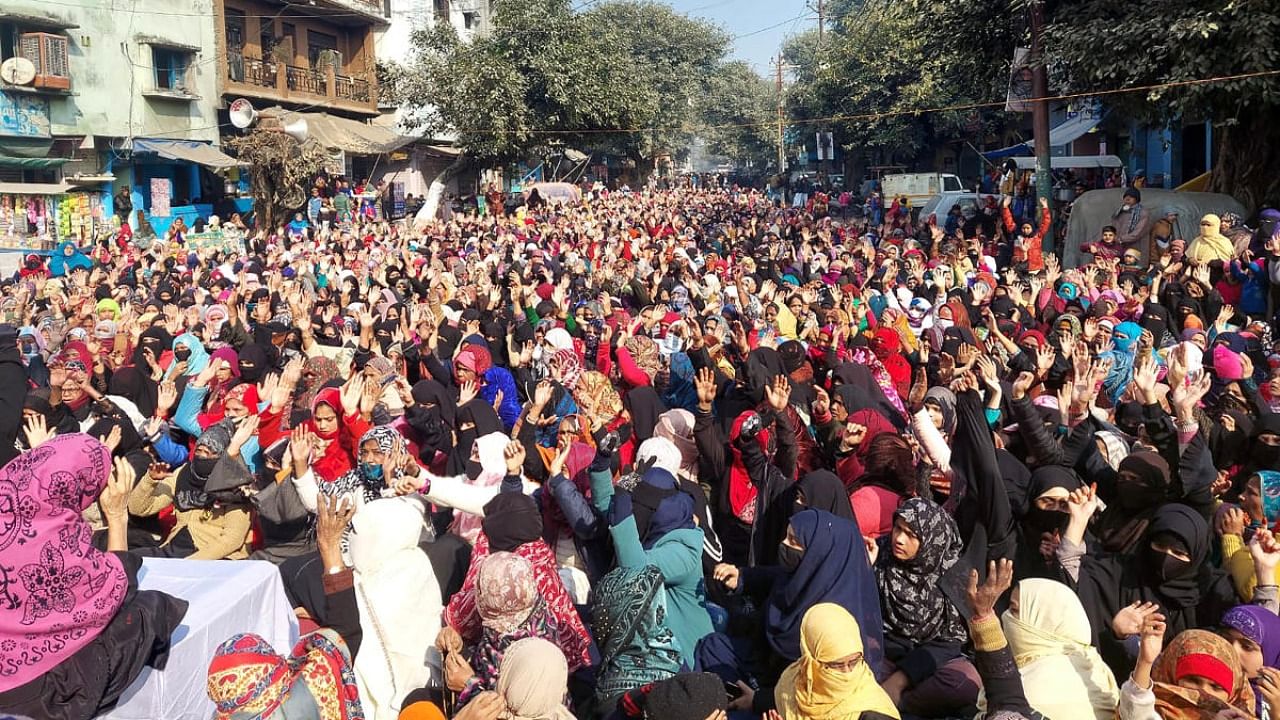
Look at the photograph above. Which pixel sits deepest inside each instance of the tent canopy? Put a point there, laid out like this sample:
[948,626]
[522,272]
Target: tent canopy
[353,136]
[1096,209]
[188,150]
[1073,161]
[1064,133]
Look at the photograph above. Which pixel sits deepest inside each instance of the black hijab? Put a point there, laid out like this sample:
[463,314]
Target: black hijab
[133,384]
[254,362]
[822,490]
[645,406]
[511,519]
[474,420]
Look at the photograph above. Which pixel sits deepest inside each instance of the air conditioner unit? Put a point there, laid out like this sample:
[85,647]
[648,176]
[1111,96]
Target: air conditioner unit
[48,52]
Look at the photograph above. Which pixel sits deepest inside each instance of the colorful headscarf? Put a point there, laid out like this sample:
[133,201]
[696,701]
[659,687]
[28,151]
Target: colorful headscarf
[569,366]
[248,680]
[629,617]
[1198,652]
[63,590]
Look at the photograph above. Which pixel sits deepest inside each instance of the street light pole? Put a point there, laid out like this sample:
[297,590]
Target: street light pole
[1040,109]
[782,153]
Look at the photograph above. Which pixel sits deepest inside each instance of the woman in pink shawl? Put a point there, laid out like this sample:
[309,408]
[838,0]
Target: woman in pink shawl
[75,630]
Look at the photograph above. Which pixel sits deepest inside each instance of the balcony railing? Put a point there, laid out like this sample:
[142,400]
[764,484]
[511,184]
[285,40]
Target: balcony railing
[349,88]
[291,79]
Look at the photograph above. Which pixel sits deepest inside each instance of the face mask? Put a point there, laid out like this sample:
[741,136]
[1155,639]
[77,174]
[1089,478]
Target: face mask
[1134,496]
[789,557]
[1172,568]
[1266,455]
[1039,520]
[473,469]
[182,353]
[372,471]
[203,466]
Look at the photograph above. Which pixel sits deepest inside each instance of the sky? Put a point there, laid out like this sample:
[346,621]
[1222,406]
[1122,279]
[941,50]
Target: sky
[760,25]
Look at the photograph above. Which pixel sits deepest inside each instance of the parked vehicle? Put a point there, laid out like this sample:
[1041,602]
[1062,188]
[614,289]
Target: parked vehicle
[919,187]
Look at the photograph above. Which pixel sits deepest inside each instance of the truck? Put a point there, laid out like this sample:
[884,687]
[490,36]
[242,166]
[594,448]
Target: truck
[918,187]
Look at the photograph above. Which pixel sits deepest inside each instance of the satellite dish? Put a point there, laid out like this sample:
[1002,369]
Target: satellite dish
[242,113]
[18,71]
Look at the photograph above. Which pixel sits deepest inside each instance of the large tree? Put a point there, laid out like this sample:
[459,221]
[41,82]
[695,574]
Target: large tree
[622,76]
[1100,45]
[736,114]
[880,61]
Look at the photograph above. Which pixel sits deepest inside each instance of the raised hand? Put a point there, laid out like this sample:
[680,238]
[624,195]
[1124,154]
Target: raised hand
[983,596]
[36,428]
[987,371]
[1132,619]
[301,444]
[247,428]
[557,464]
[469,391]
[352,392]
[1022,384]
[542,394]
[706,387]
[112,438]
[1186,397]
[514,455]
[333,515]
[114,500]
[778,393]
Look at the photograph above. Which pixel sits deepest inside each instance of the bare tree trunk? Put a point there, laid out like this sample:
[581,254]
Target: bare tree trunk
[1247,165]
[435,192]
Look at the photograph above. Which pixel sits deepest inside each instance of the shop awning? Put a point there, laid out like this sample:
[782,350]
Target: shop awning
[1068,131]
[8,188]
[188,150]
[353,136]
[1073,161]
[31,163]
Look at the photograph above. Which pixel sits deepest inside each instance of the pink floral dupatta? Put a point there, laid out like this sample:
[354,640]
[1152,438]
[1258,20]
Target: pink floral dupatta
[57,592]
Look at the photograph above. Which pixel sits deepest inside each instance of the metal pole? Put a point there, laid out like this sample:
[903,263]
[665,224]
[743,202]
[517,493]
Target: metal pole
[1040,111]
[782,157]
[821,20]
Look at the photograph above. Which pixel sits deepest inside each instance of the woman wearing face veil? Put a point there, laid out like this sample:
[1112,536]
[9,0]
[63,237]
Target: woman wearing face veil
[1142,486]
[1170,568]
[822,560]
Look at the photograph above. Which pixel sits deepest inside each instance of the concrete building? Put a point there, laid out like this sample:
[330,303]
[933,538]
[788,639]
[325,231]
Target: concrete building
[113,91]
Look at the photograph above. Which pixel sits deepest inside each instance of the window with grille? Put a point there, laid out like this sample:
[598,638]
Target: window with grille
[48,52]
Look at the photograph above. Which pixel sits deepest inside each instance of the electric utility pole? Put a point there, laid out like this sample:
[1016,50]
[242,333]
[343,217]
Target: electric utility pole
[782,153]
[1040,109]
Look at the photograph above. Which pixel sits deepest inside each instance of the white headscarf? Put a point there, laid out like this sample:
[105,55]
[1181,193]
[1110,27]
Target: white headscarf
[399,600]
[662,452]
[532,681]
[1062,673]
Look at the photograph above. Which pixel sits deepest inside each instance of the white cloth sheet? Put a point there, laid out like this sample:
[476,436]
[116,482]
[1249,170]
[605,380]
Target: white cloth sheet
[227,598]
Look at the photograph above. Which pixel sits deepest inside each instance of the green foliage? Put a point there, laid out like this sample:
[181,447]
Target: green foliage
[623,76]
[880,61]
[1099,44]
[737,111]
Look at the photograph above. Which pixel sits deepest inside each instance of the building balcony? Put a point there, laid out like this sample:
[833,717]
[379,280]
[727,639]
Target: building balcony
[290,84]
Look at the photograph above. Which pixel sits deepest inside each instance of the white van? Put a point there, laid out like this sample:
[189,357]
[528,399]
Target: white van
[918,187]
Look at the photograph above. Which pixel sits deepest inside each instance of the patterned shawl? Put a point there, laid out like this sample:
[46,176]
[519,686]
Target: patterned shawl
[60,591]
[629,610]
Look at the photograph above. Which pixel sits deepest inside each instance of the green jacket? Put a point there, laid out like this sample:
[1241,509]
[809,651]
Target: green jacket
[677,555]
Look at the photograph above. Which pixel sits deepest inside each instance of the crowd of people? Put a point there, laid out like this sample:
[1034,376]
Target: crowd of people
[661,454]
